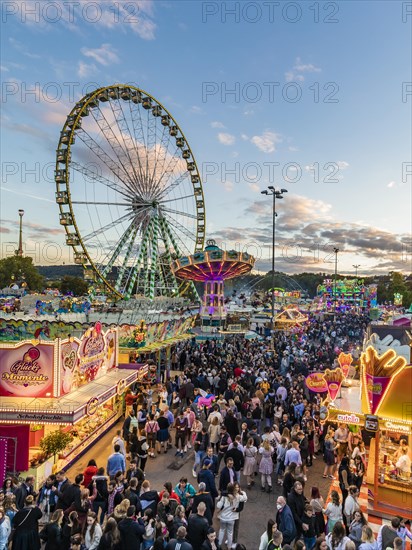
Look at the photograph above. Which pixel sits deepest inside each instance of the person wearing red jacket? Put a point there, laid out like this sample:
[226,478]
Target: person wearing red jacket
[90,471]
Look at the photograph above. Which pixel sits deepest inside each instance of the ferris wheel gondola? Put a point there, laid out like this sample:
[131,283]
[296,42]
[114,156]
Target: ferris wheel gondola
[129,192]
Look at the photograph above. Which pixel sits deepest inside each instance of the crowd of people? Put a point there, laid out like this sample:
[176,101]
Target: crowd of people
[262,429]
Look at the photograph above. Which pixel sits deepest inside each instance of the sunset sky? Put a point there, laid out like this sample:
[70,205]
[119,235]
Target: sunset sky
[312,97]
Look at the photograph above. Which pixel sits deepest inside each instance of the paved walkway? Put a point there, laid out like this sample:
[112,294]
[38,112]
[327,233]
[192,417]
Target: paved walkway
[259,508]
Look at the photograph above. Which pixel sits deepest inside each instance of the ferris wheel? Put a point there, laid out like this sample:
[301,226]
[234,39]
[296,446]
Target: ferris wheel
[129,192]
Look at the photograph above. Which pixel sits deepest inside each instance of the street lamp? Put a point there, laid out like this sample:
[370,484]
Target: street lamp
[276,194]
[356,269]
[336,250]
[19,251]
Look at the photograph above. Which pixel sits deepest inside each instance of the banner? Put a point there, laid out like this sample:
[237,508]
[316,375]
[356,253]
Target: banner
[316,383]
[69,361]
[27,371]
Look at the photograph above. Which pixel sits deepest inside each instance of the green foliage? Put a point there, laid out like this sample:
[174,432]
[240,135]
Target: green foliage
[55,442]
[393,283]
[76,285]
[19,269]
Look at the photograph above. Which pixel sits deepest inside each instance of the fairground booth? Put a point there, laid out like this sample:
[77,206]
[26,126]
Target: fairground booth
[380,404]
[70,385]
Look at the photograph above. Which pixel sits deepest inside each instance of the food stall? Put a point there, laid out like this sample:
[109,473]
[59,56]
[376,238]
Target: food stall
[381,403]
[73,385]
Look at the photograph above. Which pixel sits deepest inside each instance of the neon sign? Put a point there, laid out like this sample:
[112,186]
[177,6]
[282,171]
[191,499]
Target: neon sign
[397,427]
[348,418]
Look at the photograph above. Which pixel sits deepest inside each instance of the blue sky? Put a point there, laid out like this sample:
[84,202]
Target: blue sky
[308,94]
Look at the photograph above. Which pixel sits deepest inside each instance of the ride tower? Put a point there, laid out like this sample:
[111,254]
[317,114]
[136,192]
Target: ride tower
[212,267]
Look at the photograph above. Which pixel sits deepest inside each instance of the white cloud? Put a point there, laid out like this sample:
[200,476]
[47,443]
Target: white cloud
[226,139]
[267,141]
[293,149]
[249,112]
[295,74]
[254,187]
[3,68]
[391,184]
[306,68]
[103,55]
[290,76]
[244,137]
[342,164]
[85,70]
[229,186]
[194,109]
[217,124]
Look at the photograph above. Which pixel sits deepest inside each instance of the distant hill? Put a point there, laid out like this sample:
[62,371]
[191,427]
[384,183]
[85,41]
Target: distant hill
[52,272]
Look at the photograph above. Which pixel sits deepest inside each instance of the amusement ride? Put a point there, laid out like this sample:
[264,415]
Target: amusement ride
[129,193]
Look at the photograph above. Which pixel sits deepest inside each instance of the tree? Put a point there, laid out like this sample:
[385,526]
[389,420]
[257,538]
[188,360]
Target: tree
[55,442]
[19,270]
[76,285]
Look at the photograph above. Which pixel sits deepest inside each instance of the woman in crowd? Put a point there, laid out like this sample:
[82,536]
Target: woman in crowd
[228,506]
[51,533]
[368,541]
[345,478]
[211,542]
[240,497]
[93,532]
[321,544]
[318,505]
[110,539]
[47,498]
[70,529]
[280,460]
[179,520]
[163,433]
[120,510]
[359,472]
[266,466]
[8,486]
[5,530]
[86,503]
[100,502]
[249,468]
[329,457]
[26,526]
[356,527]
[214,433]
[142,448]
[268,534]
[89,472]
[333,511]
[149,525]
[351,505]
[337,539]
[152,428]
[10,507]
[289,478]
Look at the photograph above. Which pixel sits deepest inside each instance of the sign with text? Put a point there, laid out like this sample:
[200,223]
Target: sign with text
[316,383]
[27,370]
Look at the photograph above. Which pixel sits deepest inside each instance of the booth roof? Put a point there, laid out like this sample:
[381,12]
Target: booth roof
[155,346]
[72,401]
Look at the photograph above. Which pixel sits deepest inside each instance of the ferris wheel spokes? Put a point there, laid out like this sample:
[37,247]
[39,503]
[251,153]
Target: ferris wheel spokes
[141,191]
[113,141]
[107,227]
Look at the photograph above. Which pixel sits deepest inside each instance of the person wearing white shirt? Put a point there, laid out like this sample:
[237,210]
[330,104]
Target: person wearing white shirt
[351,504]
[404,464]
[118,440]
